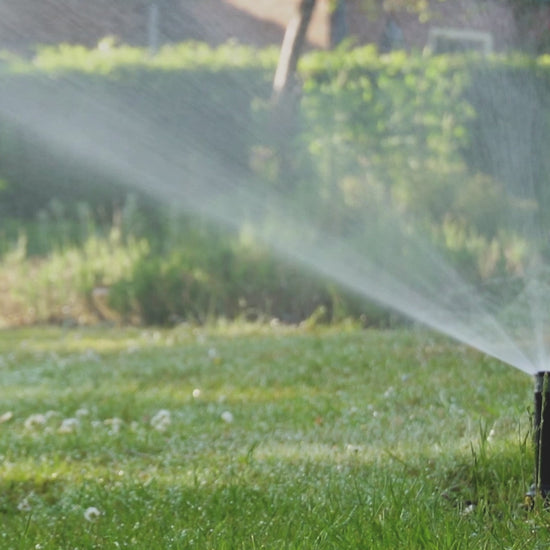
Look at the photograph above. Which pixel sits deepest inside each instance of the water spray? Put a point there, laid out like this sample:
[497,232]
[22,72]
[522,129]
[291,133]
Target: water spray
[541,437]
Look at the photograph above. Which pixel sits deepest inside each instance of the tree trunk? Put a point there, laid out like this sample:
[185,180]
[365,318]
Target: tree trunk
[291,49]
[285,97]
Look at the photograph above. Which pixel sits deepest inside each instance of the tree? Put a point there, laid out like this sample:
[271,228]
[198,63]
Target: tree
[291,49]
[286,91]
[285,96]
[296,31]
[533,23]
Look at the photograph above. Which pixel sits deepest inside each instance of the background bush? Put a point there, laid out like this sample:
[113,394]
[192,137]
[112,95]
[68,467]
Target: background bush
[417,133]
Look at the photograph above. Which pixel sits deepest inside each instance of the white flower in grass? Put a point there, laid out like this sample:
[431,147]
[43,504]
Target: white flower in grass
[35,421]
[69,426]
[91,513]
[115,424]
[161,420]
[51,414]
[82,412]
[227,417]
[90,355]
[213,354]
[6,417]
[24,505]
[196,393]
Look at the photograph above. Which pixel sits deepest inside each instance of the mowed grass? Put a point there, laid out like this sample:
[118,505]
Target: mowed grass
[261,437]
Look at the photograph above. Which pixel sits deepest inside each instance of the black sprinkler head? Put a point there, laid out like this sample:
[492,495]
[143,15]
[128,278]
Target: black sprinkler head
[541,437]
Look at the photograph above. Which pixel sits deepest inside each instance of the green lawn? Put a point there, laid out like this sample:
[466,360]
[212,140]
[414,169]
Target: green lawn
[261,437]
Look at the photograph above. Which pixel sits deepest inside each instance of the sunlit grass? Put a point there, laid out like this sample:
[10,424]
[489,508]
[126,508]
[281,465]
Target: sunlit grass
[261,437]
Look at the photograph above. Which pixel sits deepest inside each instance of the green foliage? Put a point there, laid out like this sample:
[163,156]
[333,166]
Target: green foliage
[190,94]
[165,290]
[207,275]
[180,270]
[417,135]
[115,60]
[374,134]
[63,286]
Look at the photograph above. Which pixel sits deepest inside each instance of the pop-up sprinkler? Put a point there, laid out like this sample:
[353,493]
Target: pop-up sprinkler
[541,436]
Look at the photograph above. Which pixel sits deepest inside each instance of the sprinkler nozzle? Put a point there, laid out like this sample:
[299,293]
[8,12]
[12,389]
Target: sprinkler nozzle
[541,439]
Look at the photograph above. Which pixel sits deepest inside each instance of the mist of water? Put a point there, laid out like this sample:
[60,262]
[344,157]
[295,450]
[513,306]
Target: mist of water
[387,257]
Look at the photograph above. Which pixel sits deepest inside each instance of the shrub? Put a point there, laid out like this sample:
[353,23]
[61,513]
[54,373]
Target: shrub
[209,275]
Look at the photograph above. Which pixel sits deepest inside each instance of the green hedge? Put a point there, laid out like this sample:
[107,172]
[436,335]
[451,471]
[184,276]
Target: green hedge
[423,127]
[193,95]
[415,121]
[450,142]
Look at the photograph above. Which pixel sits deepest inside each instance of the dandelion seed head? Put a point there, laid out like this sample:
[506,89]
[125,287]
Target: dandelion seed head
[90,355]
[114,424]
[227,417]
[6,417]
[69,425]
[24,505]
[91,513]
[35,421]
[161,420]
[196,393]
